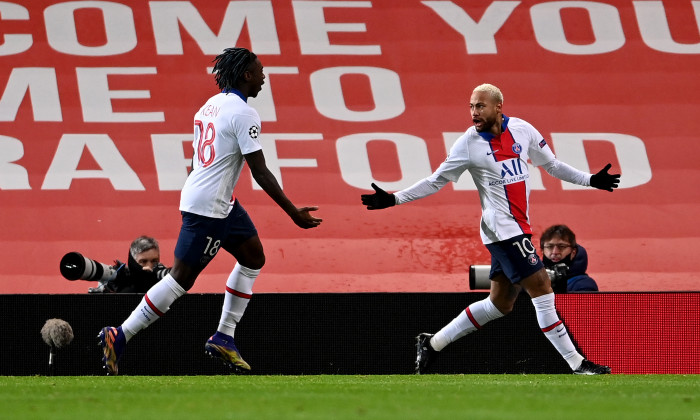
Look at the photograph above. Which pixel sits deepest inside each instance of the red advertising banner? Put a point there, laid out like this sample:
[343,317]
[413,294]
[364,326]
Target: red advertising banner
[636,333]
[97,101]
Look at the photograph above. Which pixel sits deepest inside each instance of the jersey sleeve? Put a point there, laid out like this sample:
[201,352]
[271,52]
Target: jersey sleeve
[568,173]
[540,152]
[420,189]
[247,130]
[456,162]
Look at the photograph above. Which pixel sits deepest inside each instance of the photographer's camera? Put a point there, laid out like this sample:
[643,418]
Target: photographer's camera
[75,266]
[558,272]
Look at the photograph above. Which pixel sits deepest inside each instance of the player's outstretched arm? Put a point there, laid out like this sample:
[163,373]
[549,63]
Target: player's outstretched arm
[605,181]
[300,215]
[379,200]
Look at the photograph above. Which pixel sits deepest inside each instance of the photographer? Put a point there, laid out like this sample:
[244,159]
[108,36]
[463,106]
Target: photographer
[142,270]
[565,261]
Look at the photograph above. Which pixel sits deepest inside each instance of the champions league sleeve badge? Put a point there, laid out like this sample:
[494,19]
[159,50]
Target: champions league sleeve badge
[254,131]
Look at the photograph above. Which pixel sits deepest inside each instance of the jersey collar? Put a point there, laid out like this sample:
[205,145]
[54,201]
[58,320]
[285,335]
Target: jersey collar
[488,136]
[236,92]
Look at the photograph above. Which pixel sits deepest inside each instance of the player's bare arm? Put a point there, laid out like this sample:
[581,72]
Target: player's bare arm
[300,215]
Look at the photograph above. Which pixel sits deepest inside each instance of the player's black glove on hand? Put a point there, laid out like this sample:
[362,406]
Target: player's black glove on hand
[379,200]
[605,181]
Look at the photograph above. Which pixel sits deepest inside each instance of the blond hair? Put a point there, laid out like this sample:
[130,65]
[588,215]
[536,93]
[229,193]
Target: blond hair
[492,90]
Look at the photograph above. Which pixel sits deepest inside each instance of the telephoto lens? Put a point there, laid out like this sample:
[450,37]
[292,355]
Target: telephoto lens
[479,277]
[74,266]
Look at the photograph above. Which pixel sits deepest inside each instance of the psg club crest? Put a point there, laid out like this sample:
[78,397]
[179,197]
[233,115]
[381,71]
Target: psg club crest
[517,148]
[253,132]
[532,259]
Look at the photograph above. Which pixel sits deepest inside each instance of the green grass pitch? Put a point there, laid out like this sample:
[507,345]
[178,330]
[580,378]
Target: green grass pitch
[352,397]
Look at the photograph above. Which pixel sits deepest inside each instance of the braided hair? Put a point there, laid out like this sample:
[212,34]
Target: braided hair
[230,66]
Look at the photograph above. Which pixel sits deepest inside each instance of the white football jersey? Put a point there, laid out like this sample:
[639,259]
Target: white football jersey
[225,129]
[499,168]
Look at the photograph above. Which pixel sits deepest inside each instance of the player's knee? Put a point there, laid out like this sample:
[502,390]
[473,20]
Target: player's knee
[504,305]
[259,263]
[183,274]
[187,285]
[185,280]
[537,284]
[254,262]
[505,309]
[250,254]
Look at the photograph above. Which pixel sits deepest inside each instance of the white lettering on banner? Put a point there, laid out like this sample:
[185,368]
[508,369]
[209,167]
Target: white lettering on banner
[62,34]
[479,37]
[653,24]
[604,19]
[95,95]
[64,166]
[352,153]
[12,175]
[275,163]
[550,34]
[313,29]
[354,160]
[385,88]
[630,150]
[167,17]
[170,160]
[43,90]
[14,43]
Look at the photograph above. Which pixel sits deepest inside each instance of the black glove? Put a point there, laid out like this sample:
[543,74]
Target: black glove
[379,200]
[605,181]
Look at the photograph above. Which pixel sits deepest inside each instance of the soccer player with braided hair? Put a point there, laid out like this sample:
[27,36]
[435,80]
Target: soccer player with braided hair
[226,131]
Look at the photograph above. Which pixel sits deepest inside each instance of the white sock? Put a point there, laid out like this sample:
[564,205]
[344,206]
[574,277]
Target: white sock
[554,329]
[469,320]
[155,303]
[239,290]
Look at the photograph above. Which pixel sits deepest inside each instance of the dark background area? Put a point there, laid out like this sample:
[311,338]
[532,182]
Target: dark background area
[288,334]
[356,333]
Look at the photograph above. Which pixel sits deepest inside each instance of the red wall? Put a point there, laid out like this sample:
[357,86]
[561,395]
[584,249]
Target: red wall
[357,92]
[636,333]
